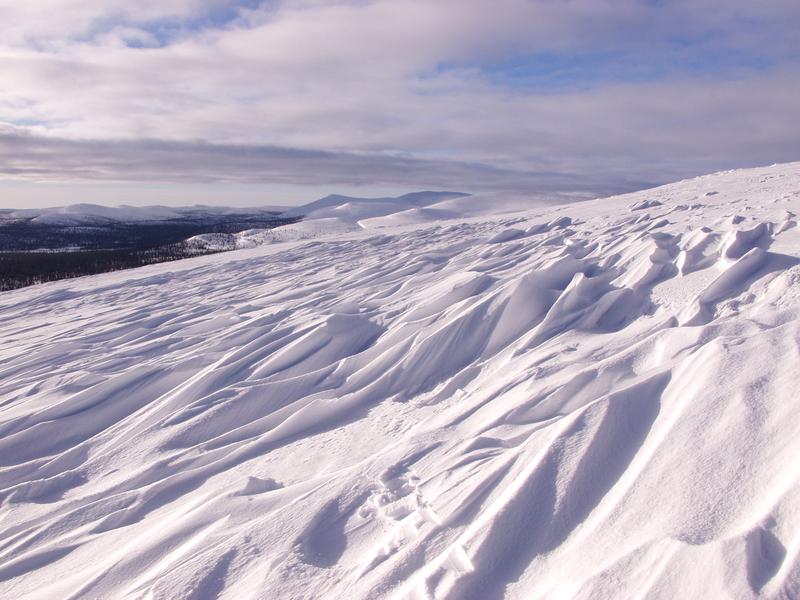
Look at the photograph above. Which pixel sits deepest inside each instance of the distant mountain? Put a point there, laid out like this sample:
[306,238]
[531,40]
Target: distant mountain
[346,205]
[90,214]
[336,214]
[330,215]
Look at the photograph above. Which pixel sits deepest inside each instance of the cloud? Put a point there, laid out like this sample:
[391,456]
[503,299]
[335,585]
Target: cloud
[638,91]
[32,157]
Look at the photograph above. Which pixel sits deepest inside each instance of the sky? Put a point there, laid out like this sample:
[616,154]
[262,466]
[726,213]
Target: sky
[279,102]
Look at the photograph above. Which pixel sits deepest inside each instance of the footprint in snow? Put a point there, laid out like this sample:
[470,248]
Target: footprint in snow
[399,502]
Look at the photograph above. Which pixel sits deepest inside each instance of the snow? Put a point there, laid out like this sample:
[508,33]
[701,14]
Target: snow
[336,214]
[590,400]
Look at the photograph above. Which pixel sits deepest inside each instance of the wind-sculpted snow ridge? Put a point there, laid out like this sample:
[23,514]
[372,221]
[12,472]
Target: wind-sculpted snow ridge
[597,400]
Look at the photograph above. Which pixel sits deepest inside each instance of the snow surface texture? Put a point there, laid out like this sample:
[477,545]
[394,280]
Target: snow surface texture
[598,400]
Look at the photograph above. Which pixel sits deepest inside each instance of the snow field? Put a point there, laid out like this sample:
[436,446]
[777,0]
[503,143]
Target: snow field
[595,400]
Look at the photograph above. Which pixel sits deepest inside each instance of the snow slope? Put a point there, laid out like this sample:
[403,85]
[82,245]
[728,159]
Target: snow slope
[597,400]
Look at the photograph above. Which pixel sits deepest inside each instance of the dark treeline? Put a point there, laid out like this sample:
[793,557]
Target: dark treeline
[20,269]
[25,235]
[31,253]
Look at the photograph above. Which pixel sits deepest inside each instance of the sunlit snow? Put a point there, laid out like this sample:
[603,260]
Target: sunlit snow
[590,400]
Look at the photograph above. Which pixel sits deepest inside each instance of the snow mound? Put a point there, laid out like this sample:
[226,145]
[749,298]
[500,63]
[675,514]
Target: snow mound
[578,401]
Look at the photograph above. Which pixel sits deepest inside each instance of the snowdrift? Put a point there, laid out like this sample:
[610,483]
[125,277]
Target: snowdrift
[596,400]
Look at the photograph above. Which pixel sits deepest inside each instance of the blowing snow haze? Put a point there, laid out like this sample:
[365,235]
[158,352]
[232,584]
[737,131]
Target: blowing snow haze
[248,102]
